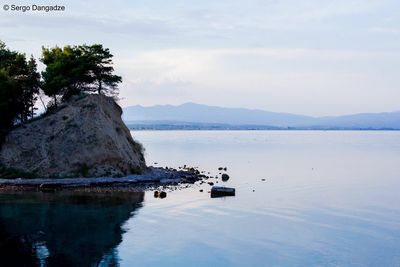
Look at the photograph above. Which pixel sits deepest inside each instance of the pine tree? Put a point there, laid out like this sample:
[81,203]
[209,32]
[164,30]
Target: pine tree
[19,86]
[100,61]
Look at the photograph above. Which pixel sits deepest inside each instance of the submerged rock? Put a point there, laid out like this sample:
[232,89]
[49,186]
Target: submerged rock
[85,137]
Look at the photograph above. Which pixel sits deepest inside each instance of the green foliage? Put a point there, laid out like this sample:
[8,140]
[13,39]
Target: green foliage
[67,72]
[73,70]
[101,69]
[8,101]
[136,171]
[11,173]
[83,170]
[19,86]
[30,82]
[138,147]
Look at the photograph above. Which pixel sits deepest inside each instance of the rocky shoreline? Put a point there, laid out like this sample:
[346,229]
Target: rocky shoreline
[152,177]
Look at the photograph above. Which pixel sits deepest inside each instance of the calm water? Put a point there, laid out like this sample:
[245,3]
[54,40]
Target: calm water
[329,199]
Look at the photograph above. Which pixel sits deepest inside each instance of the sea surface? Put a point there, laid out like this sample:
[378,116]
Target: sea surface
[303,198]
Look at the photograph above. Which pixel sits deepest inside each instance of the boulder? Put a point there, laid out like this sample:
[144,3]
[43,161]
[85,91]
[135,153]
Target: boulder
[225,177]
[84,137]
[221,191]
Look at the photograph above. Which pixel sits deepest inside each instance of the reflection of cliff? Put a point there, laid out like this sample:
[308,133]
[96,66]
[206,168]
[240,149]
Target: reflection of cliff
[63,229]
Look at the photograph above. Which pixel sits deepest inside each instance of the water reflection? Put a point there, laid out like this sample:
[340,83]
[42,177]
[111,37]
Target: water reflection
[67,229]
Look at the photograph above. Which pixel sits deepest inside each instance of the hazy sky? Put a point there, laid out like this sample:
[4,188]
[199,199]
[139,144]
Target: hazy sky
[313,57]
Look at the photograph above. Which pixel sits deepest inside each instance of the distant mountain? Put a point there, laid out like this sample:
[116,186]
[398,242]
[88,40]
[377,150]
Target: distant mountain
[387,120]
[192,115]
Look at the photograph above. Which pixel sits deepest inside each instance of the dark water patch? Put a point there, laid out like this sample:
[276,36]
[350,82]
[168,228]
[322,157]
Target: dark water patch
[63,229]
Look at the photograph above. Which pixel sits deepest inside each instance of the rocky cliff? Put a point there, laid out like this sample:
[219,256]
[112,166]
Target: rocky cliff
[84,137]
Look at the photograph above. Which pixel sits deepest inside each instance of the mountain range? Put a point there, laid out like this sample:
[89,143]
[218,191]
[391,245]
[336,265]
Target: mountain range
[192,115]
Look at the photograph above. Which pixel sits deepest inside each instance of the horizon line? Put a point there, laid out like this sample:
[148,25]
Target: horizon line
[263,110]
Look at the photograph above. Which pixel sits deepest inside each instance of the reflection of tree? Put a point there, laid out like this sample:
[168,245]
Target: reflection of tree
[15,251]
[64,229]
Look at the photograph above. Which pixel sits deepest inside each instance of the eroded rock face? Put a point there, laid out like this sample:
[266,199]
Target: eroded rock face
[86,137]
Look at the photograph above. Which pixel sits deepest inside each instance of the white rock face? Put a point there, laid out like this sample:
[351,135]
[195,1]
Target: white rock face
[86,137]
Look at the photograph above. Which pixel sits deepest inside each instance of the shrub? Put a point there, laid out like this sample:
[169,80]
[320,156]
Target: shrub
[12,173]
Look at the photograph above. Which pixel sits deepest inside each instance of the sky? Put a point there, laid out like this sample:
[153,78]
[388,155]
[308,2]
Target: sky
[311,57]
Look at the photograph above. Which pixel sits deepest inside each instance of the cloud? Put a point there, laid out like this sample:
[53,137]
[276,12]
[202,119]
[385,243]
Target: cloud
[291,80]
[151,92]
[308,56]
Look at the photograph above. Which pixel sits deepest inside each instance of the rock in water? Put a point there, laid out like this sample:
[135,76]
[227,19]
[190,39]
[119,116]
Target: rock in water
[220,191]
[84,137]
[225,177]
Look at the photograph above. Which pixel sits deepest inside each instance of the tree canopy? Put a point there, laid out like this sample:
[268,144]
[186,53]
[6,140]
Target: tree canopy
[101,69]
[72,70]
[19,86]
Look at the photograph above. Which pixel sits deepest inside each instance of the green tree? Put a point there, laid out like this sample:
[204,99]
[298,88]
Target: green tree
[31,88]
[100,60]
[19,86]
[73,70]
[67,72]
[27,80]
[8,103]
[6,57]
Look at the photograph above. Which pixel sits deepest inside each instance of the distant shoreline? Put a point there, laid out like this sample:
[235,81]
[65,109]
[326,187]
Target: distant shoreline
[162,128]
